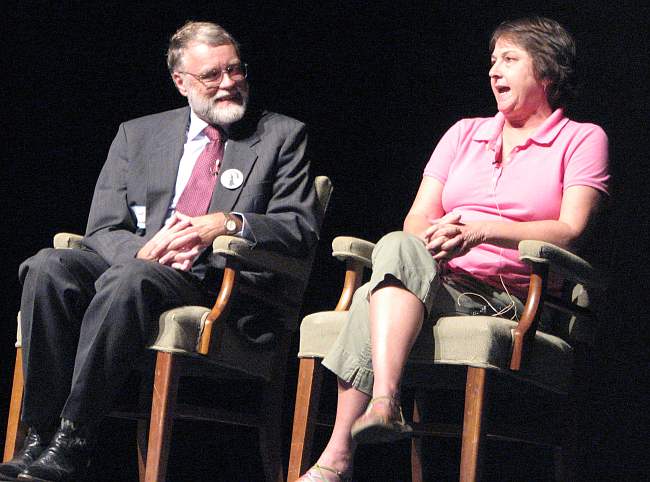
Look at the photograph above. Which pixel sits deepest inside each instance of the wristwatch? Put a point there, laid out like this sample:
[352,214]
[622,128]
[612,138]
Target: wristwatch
[230,224]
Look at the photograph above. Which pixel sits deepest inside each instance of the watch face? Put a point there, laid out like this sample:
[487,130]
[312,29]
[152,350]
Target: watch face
[231,226]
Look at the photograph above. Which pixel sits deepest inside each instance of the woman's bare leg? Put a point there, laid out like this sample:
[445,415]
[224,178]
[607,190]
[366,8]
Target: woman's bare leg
[396,317]
[339,452]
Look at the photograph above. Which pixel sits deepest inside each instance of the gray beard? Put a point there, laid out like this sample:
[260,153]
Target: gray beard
[206,109]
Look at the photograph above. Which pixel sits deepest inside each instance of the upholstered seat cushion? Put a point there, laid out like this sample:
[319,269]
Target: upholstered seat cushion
[179,330]
[479,341]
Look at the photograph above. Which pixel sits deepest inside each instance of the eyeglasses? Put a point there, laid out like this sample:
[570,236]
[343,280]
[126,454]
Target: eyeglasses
[214,77]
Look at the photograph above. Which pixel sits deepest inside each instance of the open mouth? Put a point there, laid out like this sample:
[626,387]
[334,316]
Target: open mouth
[502,92]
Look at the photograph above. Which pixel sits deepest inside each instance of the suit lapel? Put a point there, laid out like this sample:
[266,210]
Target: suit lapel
[240,155]
[163,169]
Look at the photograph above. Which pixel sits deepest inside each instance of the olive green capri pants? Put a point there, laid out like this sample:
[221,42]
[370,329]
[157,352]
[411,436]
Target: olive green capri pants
[403,257]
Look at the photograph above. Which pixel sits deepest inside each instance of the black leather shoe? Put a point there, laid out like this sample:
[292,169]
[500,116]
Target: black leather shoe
[32,447]
[67,457]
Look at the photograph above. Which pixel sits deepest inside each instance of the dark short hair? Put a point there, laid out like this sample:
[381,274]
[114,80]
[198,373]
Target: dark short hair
[552,49]
[203,32]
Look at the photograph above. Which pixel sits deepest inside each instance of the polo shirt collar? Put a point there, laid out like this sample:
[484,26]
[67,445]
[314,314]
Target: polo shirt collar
[550,128]
[490,131]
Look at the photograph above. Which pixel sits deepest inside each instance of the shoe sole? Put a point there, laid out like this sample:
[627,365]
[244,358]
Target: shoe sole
[375,434]
[32,479]
[7,477]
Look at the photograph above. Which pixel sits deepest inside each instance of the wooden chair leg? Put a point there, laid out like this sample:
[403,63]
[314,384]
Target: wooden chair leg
[16,430]
[416,446]
[473,427]
[310,379]
[163,402]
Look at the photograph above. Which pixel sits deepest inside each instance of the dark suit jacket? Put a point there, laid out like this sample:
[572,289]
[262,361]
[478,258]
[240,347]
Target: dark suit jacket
[276,197]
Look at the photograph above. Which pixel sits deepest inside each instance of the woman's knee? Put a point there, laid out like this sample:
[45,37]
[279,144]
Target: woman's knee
[402,248]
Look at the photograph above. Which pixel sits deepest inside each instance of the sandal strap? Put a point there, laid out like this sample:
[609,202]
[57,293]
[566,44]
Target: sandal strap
[393,400]
[339,474]
[383,397]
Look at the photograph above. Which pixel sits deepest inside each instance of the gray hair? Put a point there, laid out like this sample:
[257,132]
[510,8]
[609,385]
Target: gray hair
[202,32]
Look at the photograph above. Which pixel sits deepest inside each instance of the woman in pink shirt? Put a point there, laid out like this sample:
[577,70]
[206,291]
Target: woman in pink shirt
[529,172]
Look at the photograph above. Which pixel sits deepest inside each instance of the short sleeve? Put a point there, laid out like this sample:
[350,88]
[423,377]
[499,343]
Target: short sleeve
[587,159]
[444,154]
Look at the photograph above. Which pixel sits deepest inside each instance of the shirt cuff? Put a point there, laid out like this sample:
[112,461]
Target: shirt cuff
[245,231]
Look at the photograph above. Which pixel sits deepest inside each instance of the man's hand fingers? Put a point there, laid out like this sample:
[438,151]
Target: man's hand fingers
[178,226]
[188,255]
[186,240]
[168,257]
[184,266]
[159,249]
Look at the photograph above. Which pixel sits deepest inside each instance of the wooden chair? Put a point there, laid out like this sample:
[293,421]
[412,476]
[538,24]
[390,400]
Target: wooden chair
[472,352]
[195,341]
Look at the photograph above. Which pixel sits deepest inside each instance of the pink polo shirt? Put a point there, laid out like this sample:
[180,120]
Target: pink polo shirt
[560,154]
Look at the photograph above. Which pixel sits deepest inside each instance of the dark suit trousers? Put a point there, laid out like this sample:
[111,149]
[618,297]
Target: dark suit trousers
[84,325]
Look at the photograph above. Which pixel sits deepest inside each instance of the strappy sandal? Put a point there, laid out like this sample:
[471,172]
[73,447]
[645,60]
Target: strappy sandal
[319,476]
[374,428]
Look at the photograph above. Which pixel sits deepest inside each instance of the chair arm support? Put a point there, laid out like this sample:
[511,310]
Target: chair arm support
[357,255]
[241,250]
[569,265]
[67,241]
[544,257]
[346,247]
[527,325]
[230,275]
[239,253]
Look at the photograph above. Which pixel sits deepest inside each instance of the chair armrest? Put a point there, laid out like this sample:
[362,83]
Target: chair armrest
[544,257]
[357,255]
[241,250]
[67,241]
[239,253]
[559,260]
[348,248]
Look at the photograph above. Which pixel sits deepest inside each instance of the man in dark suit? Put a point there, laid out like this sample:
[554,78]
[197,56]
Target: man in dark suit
[171,184]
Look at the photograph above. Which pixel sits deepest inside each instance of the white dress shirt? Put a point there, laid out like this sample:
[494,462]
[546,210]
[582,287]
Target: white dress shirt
[194,145]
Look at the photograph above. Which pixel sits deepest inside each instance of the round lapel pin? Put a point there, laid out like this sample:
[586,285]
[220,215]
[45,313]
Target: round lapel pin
[231,179]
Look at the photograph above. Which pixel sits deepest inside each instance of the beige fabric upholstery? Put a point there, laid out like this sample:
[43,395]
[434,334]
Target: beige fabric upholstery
[347,247]
[242,250]
[571,267]
[479,341]
[67,241]
[179,330]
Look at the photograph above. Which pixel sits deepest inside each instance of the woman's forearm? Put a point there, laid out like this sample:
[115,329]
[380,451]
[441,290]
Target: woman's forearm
[509,235]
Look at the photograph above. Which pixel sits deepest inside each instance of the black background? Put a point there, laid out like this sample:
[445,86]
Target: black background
[378,83]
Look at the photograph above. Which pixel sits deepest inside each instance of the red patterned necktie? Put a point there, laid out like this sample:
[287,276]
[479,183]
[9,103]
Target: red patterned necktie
[196,196]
